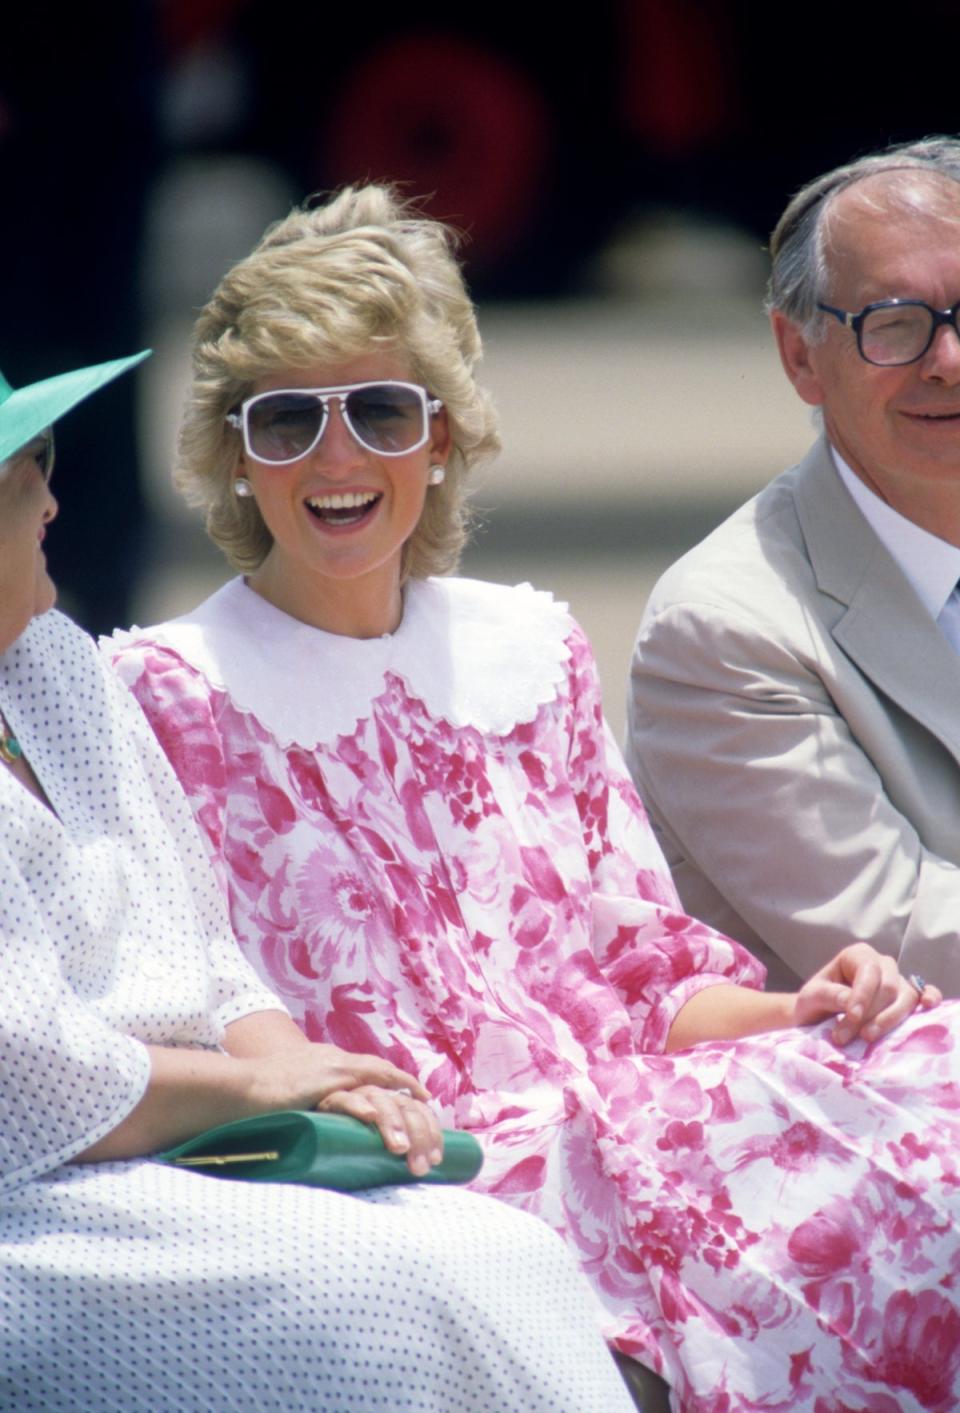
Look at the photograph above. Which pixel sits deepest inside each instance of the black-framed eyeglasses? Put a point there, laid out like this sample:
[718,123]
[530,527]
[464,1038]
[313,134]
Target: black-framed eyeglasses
[893,332]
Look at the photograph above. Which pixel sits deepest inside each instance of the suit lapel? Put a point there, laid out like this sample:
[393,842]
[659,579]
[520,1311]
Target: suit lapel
[884,629]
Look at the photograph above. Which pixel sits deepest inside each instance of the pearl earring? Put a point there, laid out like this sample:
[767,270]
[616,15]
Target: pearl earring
[242,487]
[437,475]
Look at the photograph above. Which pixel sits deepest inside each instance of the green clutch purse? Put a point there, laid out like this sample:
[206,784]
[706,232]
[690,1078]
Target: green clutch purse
[321,1150]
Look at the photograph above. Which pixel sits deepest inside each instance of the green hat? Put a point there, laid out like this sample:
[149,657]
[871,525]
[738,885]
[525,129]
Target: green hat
[25,412]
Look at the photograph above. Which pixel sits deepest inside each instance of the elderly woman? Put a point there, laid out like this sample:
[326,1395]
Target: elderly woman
[128,1021]
[431,849]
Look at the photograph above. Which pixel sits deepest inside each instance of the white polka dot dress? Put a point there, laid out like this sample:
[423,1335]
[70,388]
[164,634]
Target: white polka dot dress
[131,1286]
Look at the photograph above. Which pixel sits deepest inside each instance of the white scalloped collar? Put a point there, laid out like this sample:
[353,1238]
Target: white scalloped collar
[476,654]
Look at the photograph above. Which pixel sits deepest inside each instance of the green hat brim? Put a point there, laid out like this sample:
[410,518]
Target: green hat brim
[25,412]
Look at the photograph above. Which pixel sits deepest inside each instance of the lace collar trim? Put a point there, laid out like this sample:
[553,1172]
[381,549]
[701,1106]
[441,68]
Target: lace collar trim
[475,654]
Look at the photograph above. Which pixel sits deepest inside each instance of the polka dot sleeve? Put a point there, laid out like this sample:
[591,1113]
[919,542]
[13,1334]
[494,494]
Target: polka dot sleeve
[235,990]
[113,934]
[66,1077]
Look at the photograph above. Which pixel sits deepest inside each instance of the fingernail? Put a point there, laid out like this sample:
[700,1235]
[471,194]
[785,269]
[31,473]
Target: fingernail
[419,1165]
[840,1037]
[436,1156]
[398,1136]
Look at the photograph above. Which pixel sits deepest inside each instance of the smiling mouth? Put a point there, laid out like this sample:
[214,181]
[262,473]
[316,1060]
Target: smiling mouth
[348,508]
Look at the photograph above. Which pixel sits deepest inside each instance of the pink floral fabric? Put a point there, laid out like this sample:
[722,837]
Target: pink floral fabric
[769,1222]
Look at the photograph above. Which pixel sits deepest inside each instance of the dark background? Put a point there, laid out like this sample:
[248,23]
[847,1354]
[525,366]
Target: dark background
[534,133]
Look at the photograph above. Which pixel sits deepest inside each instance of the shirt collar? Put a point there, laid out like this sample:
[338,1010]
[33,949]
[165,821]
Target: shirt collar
[475,654]
[931,565]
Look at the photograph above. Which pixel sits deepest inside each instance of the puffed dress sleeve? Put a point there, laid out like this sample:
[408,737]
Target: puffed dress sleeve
[176,712]
[649,950]
[178,704]
[67,1078]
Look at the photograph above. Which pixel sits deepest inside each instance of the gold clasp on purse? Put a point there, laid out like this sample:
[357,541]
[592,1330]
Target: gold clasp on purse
[220,1160]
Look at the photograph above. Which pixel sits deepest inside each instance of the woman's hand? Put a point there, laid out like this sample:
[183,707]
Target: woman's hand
[406,1124]
[269,1064]
[291,1072]
[335,1081]
[865,990]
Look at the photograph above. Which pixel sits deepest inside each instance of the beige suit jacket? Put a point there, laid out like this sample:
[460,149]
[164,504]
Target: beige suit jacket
[794,728]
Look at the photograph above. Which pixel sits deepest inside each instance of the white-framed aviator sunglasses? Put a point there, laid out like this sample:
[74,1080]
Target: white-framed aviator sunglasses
[388,418]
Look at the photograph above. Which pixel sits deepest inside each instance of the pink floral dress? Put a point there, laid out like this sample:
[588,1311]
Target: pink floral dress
[431,850]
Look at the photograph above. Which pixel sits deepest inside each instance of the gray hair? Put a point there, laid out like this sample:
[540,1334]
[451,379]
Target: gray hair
[799,274]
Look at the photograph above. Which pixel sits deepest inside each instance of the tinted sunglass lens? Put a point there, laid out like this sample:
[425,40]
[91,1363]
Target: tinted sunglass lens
[45,455]
[39,450]
[283,426]
[386,417]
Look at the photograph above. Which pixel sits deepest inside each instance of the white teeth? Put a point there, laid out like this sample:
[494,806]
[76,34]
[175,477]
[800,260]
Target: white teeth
[351,500]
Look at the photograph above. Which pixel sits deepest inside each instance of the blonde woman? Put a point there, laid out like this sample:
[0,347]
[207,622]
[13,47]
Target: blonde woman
[129,1021]
[431,849]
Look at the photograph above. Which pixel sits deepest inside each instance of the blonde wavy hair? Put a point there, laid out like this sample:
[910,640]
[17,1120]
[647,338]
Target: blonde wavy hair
[328,284]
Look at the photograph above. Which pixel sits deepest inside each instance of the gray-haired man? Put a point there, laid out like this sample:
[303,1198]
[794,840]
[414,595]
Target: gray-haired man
[795,715]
